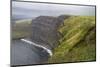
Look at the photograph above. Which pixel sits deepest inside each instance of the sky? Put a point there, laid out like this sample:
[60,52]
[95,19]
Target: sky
[26,10]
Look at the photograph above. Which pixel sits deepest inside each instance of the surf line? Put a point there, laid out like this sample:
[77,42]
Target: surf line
[37,45]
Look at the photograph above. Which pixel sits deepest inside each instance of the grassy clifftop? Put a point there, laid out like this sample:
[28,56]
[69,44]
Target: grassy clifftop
[77,42]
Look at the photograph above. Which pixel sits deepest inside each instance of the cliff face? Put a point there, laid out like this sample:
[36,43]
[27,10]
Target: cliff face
[45,30]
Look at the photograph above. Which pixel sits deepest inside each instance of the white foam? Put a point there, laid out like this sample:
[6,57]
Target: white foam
[37,45]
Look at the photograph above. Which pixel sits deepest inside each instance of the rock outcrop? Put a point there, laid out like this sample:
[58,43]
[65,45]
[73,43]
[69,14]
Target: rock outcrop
[45,30]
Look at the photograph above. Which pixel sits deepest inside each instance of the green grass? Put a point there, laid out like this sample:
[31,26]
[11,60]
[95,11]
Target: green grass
[22,28]
[74,31]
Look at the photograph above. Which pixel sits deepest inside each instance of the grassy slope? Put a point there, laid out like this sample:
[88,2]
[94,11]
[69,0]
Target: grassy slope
[76,43]
[22,28]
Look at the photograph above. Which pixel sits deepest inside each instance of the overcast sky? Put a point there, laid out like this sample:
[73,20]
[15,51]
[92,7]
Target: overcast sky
[21,10]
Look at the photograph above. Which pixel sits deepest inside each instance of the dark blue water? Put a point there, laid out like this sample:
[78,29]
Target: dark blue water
[23,54]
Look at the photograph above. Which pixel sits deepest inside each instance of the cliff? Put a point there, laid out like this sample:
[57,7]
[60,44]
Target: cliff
[45,30]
